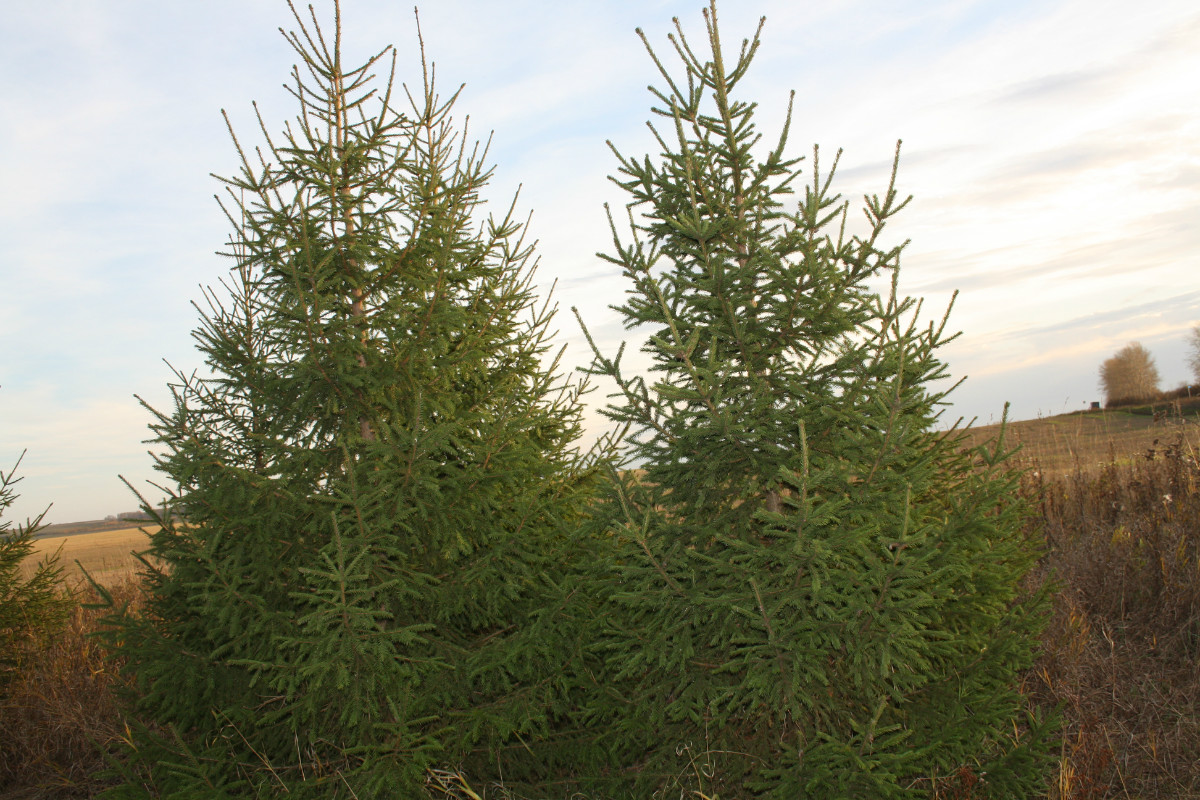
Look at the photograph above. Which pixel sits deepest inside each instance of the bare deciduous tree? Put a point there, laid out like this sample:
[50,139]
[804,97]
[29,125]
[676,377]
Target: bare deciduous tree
[1129,376]
[1193,358]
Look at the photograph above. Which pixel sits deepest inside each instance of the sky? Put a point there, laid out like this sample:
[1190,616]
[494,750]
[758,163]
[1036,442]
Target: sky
[1052,149]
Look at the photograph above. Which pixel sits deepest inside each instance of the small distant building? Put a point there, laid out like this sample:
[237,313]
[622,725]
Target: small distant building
[1095,405]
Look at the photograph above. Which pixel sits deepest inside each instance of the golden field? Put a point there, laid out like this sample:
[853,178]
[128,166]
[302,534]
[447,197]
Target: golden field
[106,555]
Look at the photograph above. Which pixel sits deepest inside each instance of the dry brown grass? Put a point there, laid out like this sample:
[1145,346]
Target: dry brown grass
[1060,446]
[60,713]
[1122,652]
[106,555]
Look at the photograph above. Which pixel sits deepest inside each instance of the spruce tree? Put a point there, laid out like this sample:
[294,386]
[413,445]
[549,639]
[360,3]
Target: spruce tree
[32,606]
[358,576]
[813,592]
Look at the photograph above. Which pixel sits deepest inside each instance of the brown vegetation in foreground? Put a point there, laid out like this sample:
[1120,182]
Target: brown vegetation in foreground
[1122,653]
[1116,498]
[60,715]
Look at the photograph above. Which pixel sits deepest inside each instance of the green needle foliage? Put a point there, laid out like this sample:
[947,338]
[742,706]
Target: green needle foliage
[813,593]
[32,607]
[373,480]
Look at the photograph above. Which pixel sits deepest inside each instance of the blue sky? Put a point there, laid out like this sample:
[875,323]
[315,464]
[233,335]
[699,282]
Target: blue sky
[1053,149]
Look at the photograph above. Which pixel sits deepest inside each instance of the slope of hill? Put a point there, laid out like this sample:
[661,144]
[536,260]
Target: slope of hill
[89,526]
[1087,440]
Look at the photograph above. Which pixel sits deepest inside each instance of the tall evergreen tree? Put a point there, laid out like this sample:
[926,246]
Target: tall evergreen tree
[813,593]
[371,482]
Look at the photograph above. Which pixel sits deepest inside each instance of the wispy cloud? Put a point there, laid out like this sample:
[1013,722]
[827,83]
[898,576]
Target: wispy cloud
[1050,148]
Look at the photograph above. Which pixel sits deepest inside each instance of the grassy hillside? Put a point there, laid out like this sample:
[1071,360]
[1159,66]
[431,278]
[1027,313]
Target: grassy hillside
[1115,497]
[1089,440]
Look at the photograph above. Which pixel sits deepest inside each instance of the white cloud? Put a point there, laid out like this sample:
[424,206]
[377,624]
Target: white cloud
[1050,146]
[76,446]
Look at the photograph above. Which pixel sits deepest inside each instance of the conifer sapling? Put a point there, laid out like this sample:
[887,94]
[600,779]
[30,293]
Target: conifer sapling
[813,593]
[32,605]
[372,478]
